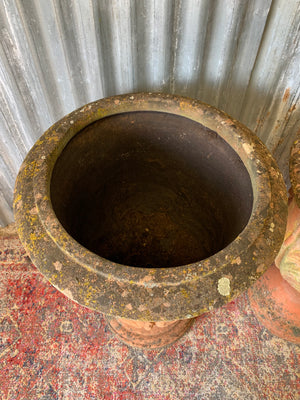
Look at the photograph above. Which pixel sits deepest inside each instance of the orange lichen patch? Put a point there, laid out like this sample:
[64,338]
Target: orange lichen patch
[33,211]
[286,95]
[237,261]
[57,266]
[260,269]
[142,308]
[147,278]
[19,204]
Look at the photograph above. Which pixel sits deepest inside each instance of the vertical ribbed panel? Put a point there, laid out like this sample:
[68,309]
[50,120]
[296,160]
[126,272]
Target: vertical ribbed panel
[241,56]
[117,40]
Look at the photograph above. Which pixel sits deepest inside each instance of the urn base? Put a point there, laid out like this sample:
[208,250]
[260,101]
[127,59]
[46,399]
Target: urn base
[151,335]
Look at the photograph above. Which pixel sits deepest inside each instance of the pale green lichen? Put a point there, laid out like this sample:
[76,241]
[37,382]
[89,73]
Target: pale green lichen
[224,286]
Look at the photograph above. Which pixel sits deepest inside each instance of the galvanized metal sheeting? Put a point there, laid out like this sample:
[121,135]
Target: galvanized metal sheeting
[241,56]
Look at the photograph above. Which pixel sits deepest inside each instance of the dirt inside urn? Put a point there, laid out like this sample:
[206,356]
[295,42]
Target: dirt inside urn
[151,189]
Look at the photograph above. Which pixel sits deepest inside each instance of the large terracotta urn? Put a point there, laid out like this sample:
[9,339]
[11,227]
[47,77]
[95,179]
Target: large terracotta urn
[151,209]
[275,297]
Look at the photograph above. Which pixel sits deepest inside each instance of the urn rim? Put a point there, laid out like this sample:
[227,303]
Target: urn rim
[251,252]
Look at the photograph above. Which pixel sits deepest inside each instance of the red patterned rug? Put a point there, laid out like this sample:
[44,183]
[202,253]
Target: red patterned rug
[51,349]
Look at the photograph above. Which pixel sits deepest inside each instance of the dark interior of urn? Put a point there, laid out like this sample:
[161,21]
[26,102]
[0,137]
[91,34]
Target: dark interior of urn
[150,189]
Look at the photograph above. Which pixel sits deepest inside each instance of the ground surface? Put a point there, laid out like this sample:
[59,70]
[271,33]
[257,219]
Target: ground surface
[52,348]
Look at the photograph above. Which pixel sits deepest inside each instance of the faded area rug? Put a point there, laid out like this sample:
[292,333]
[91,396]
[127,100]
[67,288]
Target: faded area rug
[51,348]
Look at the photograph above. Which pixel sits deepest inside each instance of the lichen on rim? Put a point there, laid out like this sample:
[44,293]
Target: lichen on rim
[267,185]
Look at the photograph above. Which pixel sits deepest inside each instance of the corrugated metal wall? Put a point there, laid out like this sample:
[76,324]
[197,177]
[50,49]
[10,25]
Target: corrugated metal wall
[56,55]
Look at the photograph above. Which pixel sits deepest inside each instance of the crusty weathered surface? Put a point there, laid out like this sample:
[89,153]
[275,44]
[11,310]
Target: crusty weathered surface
[150,294]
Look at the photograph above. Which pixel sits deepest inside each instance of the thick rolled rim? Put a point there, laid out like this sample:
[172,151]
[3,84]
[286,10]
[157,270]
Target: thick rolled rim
[269,195]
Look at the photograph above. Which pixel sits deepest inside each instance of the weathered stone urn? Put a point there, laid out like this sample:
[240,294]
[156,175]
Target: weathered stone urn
[151,209]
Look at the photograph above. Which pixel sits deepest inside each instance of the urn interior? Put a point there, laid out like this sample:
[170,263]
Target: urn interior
[151,189]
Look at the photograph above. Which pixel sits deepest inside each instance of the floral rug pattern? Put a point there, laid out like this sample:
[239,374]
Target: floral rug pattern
[54,349]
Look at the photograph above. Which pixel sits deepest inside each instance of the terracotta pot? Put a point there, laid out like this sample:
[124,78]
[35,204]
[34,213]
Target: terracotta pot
[276,305]
[275,297]
[150,207]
